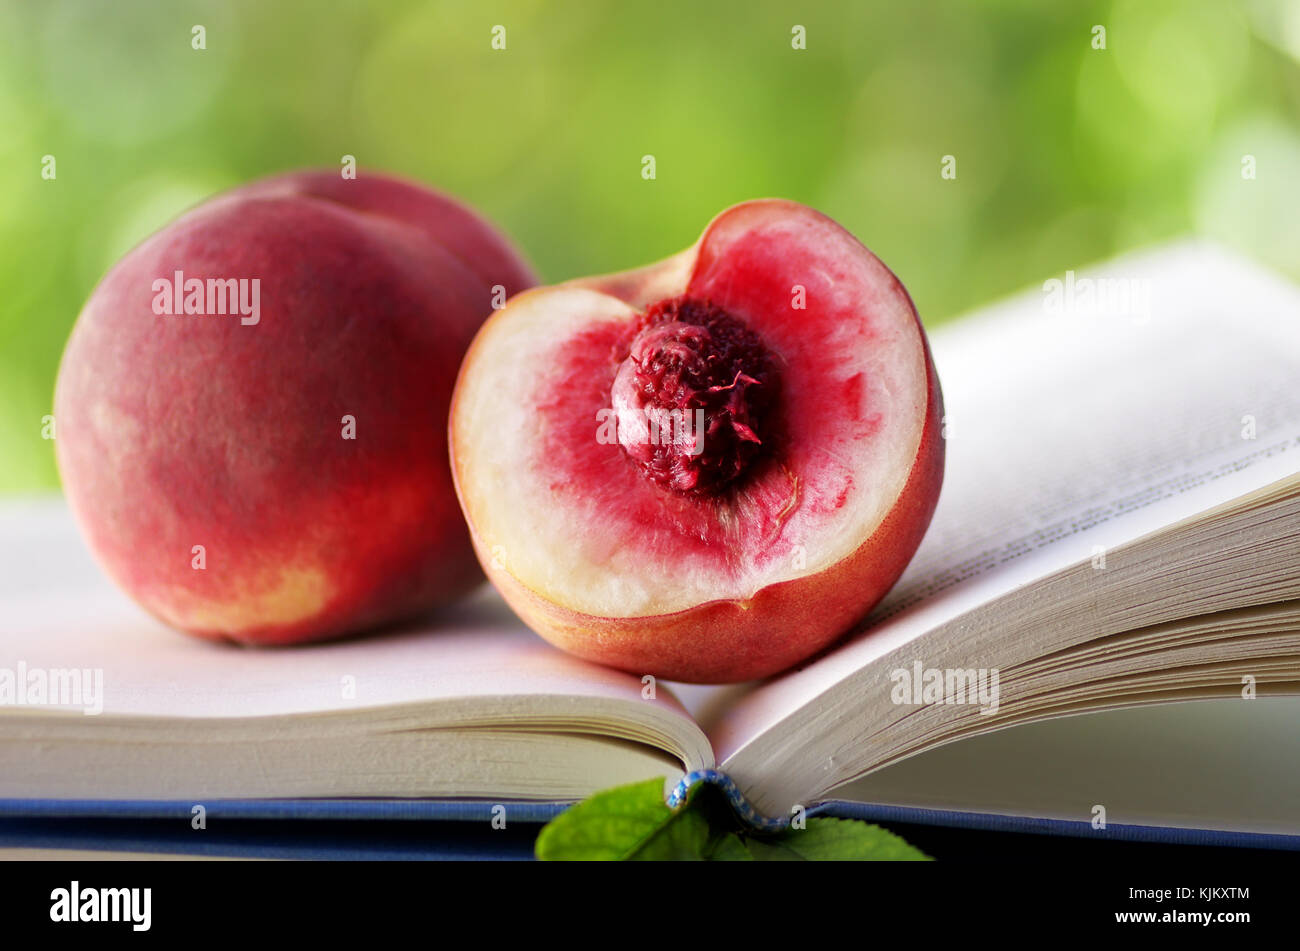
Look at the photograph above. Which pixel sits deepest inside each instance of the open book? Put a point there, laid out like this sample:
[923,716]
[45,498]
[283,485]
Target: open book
[1119,528]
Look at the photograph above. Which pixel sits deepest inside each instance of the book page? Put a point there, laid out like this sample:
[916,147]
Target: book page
[1080,416]
[1200,764]
[472,663]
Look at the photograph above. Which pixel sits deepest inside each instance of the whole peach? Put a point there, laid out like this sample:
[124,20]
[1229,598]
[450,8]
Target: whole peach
[251,410]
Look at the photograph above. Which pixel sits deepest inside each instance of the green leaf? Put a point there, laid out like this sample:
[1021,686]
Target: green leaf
[832,839]
[729,848]
[634,823]
[626,822]
[769,849]
[684,837]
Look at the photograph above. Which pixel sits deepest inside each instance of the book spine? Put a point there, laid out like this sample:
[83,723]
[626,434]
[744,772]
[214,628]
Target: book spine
[741,806]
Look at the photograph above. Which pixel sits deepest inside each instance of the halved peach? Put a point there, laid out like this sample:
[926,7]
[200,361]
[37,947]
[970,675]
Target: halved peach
[707,469]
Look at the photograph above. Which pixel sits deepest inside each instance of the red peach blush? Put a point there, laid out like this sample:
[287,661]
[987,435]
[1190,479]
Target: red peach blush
[205,456]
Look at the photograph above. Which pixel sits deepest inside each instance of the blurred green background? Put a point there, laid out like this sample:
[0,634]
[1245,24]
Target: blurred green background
[1065,154]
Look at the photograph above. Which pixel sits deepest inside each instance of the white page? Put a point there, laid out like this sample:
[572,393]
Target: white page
[1069,431]
[1201,764]
[58,611]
